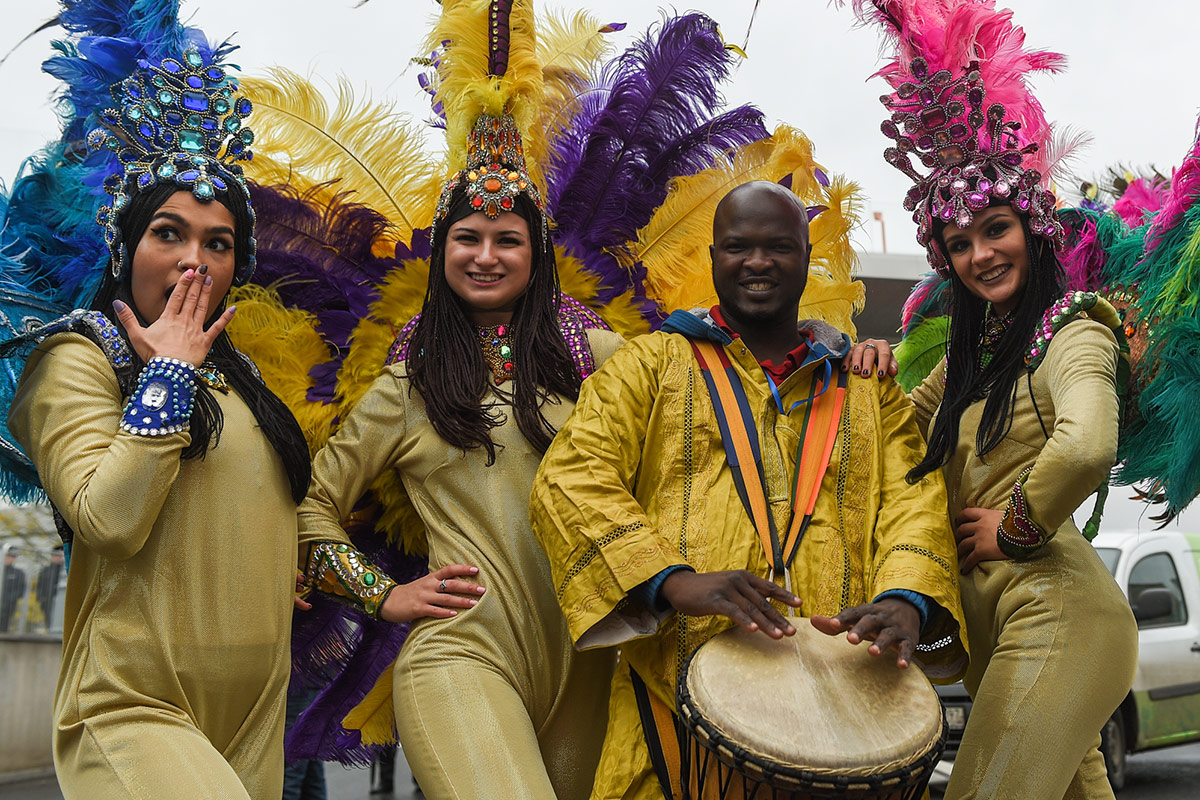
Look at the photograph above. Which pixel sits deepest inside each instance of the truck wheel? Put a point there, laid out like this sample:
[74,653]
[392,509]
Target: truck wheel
[1112,747]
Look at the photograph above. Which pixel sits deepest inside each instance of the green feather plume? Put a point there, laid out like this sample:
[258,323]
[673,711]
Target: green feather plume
[919,353]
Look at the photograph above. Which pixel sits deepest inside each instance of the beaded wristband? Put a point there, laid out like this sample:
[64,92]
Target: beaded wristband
[162,402]
[1019,537]
[345,573]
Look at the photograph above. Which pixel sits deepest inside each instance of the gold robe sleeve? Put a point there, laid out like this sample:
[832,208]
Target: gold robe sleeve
[1080,368]
[915,547]
[109,485]
[598,537]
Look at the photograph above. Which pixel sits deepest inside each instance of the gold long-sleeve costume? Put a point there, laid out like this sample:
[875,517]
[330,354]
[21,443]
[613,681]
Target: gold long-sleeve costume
[178,609]
[495,702]
[1053,641]
[637,482]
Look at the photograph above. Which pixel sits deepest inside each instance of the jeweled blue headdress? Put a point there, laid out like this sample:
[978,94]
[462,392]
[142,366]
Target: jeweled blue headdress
[180,121]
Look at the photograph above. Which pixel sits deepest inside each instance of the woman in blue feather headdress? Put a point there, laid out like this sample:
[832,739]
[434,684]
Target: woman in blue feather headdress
[174,471]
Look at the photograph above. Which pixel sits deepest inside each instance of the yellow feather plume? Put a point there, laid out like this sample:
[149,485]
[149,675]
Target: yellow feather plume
[620,313]
[570,47]
[673,246]
[374,717]
[285,345]
[832,294]
[465,87]
[361,147]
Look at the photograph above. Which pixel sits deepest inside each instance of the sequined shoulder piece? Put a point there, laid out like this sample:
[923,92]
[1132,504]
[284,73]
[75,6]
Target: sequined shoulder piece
[1072,306]
[399,349]
[96,327]
[575,320]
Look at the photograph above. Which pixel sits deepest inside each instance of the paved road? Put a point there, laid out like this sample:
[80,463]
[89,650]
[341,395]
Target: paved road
[1171,774]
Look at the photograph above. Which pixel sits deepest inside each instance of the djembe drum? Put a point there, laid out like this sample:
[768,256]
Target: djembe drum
[808,716]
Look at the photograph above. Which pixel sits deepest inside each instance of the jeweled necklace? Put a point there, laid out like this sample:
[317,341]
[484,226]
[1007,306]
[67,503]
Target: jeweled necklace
[497,351]
[994,328]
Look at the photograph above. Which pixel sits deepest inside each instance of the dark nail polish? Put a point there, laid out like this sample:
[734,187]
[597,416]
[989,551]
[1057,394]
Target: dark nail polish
[203,269]
[119,306]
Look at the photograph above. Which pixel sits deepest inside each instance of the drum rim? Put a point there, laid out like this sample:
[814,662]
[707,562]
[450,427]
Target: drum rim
[921,769]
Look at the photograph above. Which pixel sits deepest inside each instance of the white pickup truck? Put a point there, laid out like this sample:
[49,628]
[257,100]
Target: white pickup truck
[1159,571]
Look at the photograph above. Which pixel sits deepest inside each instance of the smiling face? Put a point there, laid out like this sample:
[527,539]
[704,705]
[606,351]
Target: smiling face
[488,262]
[760,254]
[990,257]
[183,234]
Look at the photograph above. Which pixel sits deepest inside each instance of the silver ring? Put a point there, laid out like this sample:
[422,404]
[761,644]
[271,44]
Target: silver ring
[873,347]
[442,586]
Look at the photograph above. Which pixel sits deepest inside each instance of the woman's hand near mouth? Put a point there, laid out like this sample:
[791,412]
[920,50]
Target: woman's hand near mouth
[179,332]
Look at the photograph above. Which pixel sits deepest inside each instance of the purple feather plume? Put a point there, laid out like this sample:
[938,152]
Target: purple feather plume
[656,123]
[321,260]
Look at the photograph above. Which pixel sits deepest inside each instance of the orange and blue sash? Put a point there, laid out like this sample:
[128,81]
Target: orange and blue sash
[739,436]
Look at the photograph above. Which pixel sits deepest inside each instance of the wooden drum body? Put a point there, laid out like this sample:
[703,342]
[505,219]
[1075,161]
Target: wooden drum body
[808,716]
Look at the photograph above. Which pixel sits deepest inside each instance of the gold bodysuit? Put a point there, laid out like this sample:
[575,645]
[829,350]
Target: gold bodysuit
[1053,641]
[179,596]
[495,702]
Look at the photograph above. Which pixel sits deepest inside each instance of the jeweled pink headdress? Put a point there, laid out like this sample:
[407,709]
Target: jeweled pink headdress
[962,108]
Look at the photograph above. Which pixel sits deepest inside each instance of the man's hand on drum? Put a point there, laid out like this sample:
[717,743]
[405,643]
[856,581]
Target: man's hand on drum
[871,356]
[890,624]
[740,595]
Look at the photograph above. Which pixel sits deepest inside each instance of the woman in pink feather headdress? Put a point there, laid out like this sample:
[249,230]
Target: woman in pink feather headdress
[1022,414]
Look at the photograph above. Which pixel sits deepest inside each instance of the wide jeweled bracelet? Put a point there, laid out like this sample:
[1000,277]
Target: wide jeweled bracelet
[1019,537]
[342,571]
[162,402]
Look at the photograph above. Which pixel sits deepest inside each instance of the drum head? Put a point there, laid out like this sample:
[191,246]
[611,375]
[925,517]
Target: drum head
[813,702]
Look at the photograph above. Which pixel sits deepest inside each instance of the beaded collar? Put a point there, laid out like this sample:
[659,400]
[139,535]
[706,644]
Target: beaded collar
[994,328]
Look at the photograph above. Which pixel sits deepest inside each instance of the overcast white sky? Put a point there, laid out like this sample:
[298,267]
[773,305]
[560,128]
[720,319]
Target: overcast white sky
[1130,78]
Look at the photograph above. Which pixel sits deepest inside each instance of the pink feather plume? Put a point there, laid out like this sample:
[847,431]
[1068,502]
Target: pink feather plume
[1185,189]
[950,34]
[1142,198]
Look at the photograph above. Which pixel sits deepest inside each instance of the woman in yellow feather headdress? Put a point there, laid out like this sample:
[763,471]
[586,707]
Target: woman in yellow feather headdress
[489,697]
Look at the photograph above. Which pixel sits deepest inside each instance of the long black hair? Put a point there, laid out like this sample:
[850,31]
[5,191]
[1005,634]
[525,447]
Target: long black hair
[273,417]
[966,380]
[445,361]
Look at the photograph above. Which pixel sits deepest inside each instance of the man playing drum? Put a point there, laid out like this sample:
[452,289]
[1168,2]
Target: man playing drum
[725,462]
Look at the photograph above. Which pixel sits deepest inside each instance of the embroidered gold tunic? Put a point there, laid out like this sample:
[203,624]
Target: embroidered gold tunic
[637,482]
[178,610]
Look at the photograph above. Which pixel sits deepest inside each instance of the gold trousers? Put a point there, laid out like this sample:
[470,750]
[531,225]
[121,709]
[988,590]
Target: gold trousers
[1053,653]
[146,754]
[468,732]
